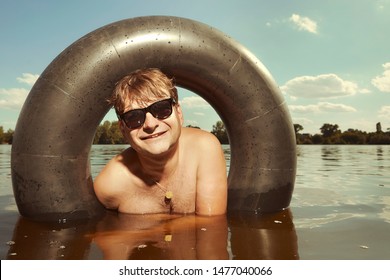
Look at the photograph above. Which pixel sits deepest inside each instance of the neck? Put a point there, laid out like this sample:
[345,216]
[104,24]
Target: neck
[160,167]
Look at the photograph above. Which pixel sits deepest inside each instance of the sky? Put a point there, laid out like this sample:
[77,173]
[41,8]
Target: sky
[330,58]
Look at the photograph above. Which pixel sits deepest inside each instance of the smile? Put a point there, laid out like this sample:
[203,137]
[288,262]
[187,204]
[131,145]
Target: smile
[152,136]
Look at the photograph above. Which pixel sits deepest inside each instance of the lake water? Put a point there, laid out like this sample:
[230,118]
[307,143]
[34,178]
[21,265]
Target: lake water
[340,210]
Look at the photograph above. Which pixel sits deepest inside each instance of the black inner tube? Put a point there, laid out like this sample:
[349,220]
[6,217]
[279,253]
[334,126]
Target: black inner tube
[53,137]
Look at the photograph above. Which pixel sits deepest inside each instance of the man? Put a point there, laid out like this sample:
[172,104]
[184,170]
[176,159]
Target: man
[167,168]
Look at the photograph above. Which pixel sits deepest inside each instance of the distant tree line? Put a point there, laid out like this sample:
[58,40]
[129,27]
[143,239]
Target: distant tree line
[331,134]
[6,137]
[220,132]
[109,133]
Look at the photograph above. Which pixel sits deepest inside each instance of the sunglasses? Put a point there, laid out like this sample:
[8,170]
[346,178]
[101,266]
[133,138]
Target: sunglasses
[160,110]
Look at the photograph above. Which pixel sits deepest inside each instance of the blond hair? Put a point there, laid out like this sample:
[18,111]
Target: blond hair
[142,86]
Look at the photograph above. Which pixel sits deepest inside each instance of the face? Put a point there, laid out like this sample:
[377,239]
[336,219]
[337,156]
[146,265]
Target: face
[156,136]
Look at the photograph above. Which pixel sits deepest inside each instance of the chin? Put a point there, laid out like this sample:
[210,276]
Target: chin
[158,146]
[157,149]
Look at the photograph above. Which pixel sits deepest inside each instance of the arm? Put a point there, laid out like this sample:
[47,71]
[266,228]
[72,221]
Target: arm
[103,185]
[211,190]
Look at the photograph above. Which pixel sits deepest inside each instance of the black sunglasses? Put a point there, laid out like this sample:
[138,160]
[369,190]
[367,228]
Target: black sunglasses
[160,110]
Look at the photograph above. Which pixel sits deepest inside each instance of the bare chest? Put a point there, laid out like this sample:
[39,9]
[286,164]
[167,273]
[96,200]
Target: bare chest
[177,195]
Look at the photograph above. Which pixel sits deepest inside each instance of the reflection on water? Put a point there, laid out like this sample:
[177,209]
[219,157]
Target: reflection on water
[341,202]
[340,210]
[37,241]
[121,236]
[331,153]
[263,237]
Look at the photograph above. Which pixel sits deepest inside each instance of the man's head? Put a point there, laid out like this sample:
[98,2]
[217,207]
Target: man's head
[146,103]
[141,87]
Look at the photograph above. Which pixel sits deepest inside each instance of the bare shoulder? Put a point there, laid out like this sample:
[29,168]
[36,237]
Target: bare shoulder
[201,139]
[205,147]
[110,181]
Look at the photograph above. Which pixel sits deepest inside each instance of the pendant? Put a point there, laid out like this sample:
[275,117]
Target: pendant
[168,196]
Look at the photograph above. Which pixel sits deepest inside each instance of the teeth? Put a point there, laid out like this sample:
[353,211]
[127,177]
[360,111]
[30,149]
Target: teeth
[153,136]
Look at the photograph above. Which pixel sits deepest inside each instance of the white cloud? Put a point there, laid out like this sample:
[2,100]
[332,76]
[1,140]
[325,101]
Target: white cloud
[322,107]
[304,23]
[304,108]
[28,78]
[332,107]
[194,102]
[384,113]
[191,122]
[13,98]
[302,121]
[381,5]
[383,82]
[321,86]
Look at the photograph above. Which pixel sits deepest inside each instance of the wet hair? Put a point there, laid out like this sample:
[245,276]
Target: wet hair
[142,86]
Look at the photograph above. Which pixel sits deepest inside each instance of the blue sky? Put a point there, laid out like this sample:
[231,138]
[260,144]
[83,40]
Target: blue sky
[331,59]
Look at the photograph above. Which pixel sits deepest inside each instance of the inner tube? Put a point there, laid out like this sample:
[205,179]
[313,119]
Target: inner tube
[52,141]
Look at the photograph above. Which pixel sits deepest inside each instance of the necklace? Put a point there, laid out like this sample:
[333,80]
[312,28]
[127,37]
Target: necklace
[168,195]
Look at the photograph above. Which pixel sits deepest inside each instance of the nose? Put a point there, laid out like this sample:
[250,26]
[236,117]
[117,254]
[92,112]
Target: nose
[151,123]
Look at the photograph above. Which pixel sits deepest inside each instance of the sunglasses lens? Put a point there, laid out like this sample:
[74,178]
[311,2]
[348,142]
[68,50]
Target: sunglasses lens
[162,109]
[134,118]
